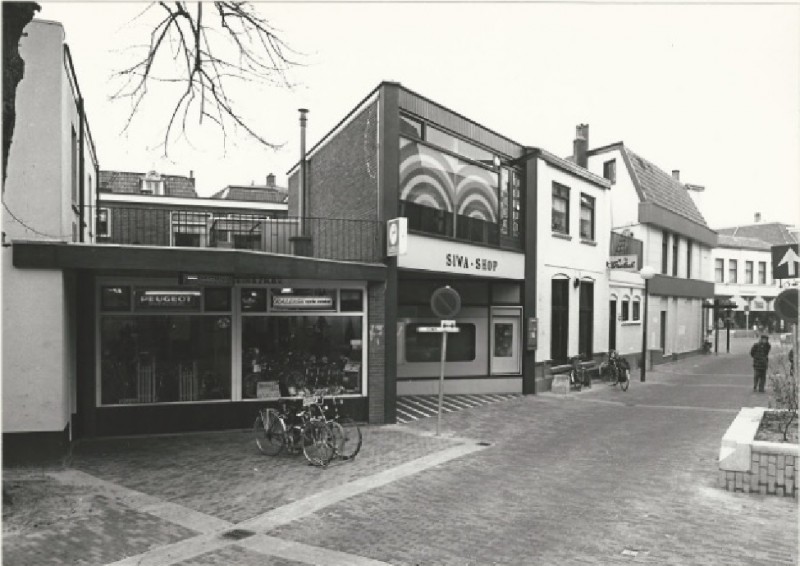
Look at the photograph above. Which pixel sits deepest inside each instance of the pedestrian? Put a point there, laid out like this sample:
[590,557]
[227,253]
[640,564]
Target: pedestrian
[760,354]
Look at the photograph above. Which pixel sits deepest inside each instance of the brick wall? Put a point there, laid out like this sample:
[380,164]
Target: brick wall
[375,362]
[769,473]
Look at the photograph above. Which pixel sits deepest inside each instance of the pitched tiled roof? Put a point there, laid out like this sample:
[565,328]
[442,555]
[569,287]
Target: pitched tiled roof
[774,233]
[253,193]
[727,241]
[127,182]
[659,187]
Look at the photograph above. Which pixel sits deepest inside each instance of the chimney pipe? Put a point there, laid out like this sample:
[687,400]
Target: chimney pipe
[580,146]
[758,217]
[191,174]
[301,201]
[676,174]
[270,180]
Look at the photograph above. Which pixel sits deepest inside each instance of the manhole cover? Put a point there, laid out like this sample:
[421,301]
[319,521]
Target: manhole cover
[238,534]
[484,443]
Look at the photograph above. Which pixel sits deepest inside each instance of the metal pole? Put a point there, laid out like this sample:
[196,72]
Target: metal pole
[716,332]
[795,344]
[728,331]
[441,382]
[643,368]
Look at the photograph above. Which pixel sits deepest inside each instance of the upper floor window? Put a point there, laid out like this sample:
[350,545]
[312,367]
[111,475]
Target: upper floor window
[587,217]
[610,170]
[748,272]
[719,270]
[733,269]
[688,258]
[103,224]
[152,184]
[762,272]
[675,241]
[510,208]
[665,252]
[560,208]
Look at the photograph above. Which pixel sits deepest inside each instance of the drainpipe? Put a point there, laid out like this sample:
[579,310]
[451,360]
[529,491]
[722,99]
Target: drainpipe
[301,201]
[81,172]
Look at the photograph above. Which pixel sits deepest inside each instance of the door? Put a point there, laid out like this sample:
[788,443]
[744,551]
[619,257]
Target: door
[559,320]
[612,325]
[663,332]
[505,345]
[586,320]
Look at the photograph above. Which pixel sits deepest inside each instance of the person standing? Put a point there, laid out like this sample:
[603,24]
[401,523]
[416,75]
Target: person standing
[760,354]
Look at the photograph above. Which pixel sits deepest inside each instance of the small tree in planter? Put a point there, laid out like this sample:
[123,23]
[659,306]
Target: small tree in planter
[783,385]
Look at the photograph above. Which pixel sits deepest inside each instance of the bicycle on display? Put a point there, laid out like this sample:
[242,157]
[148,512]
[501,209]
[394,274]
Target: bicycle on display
[618,370]
[296,431]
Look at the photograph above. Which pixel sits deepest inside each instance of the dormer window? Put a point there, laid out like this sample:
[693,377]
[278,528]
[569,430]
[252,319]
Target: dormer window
[152,184]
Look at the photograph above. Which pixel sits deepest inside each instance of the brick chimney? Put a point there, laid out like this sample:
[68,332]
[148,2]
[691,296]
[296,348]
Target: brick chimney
[676,174]
[757,217]
[581,144]
[271,181]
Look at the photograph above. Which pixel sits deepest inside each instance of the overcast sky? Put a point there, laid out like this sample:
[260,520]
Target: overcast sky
[711,90]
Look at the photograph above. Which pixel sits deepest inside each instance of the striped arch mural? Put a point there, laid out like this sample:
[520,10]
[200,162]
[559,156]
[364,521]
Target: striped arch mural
[437,180]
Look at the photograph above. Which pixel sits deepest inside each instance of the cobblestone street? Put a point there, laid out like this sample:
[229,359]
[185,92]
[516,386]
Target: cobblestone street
[596,477]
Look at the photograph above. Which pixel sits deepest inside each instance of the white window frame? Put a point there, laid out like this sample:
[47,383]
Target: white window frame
[107,233]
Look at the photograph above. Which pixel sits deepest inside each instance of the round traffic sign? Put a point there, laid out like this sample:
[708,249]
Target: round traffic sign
[445,302]
[786,305]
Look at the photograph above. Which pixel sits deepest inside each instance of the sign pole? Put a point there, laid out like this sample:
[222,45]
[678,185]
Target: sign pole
[441,382]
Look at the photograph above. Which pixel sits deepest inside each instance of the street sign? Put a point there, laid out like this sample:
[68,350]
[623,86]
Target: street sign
[445,327]
[786,305]
[445,302]
[397,236]
[784,261]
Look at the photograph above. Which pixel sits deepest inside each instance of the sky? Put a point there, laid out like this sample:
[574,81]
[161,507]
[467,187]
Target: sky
[712,90]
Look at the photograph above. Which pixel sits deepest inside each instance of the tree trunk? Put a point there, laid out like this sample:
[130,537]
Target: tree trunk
[16,15]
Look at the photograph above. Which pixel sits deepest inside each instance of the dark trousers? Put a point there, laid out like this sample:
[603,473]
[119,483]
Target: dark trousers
[759,379]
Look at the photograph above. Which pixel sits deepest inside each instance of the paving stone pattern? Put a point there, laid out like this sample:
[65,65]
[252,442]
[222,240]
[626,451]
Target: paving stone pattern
[240,557]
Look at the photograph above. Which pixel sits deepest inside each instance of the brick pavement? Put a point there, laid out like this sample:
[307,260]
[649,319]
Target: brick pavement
[580,479]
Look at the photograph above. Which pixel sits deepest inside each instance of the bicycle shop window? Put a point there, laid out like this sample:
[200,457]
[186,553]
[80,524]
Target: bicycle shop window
[560,217]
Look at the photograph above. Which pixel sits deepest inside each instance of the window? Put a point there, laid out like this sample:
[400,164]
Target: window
[610,170]
[459,146]
[665,252]
[510,202]
[719,270]
[103,224]
[625,313]
[637,303]
[587,217]
[410,127]
[732,271]
[748,272]
[152,184]
[688,258]
[189,229]
[762,272]
[560,208]
[427,347]
[675,242]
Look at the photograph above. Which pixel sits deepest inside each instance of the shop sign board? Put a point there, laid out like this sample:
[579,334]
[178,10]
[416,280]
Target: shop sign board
[167,300]
[300,302]
[624,262]
[446,256]
[397,236]
[785,261]
[206,279]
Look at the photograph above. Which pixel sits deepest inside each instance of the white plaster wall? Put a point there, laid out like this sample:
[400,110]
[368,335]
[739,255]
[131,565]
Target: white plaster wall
[629,333]
[572,258]
[624,202]
[740,288]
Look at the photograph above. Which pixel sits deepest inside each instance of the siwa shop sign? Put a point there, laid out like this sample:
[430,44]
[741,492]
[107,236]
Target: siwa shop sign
[446,256]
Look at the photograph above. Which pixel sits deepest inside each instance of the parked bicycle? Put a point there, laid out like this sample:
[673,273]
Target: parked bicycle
[618,370]
[578,376]
[347,434]
[294,431]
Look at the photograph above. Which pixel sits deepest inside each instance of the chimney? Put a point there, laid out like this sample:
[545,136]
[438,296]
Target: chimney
[581,144]
[191,174]
[271,180]
[676,174]
[757,217]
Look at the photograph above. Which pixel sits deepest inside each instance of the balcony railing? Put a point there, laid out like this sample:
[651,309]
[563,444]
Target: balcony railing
[626,245]
[325,238]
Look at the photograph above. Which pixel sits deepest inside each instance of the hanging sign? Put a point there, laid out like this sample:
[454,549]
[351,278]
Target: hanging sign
[396,236]
[624,262]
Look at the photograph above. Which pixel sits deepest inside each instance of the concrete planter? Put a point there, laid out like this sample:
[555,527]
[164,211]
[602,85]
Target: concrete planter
[750,465]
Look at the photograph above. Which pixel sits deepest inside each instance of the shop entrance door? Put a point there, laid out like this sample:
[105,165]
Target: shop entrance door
[505,344]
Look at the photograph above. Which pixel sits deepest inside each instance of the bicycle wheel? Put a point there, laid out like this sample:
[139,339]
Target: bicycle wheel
[573,380]
[319,446]
[348,439]
[270,432]
[624,378]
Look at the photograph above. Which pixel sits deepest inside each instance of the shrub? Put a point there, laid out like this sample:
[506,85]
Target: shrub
[783,385]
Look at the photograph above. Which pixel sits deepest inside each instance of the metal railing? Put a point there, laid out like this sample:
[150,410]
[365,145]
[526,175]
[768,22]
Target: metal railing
[327,238]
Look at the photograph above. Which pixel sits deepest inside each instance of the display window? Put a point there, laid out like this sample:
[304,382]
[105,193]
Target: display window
[427,347]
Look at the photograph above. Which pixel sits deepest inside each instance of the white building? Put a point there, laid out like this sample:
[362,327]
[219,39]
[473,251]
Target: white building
[655,207]
[49,195]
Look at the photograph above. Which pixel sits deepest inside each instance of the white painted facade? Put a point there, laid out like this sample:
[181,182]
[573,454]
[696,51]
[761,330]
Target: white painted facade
[747,290]
[571,257]
[39,369]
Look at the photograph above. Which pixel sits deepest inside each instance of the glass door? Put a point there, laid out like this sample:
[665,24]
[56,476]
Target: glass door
[505,345]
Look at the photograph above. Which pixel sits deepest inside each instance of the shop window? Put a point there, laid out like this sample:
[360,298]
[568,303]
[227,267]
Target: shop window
[610,170]
[637,303]
[284,355]
[748,272]
[587,217]
[351,300]
[217,299]
[719,270]
[164,358]
[254,300]
[103,224]
[560,221]
[427,347]
[115,298]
